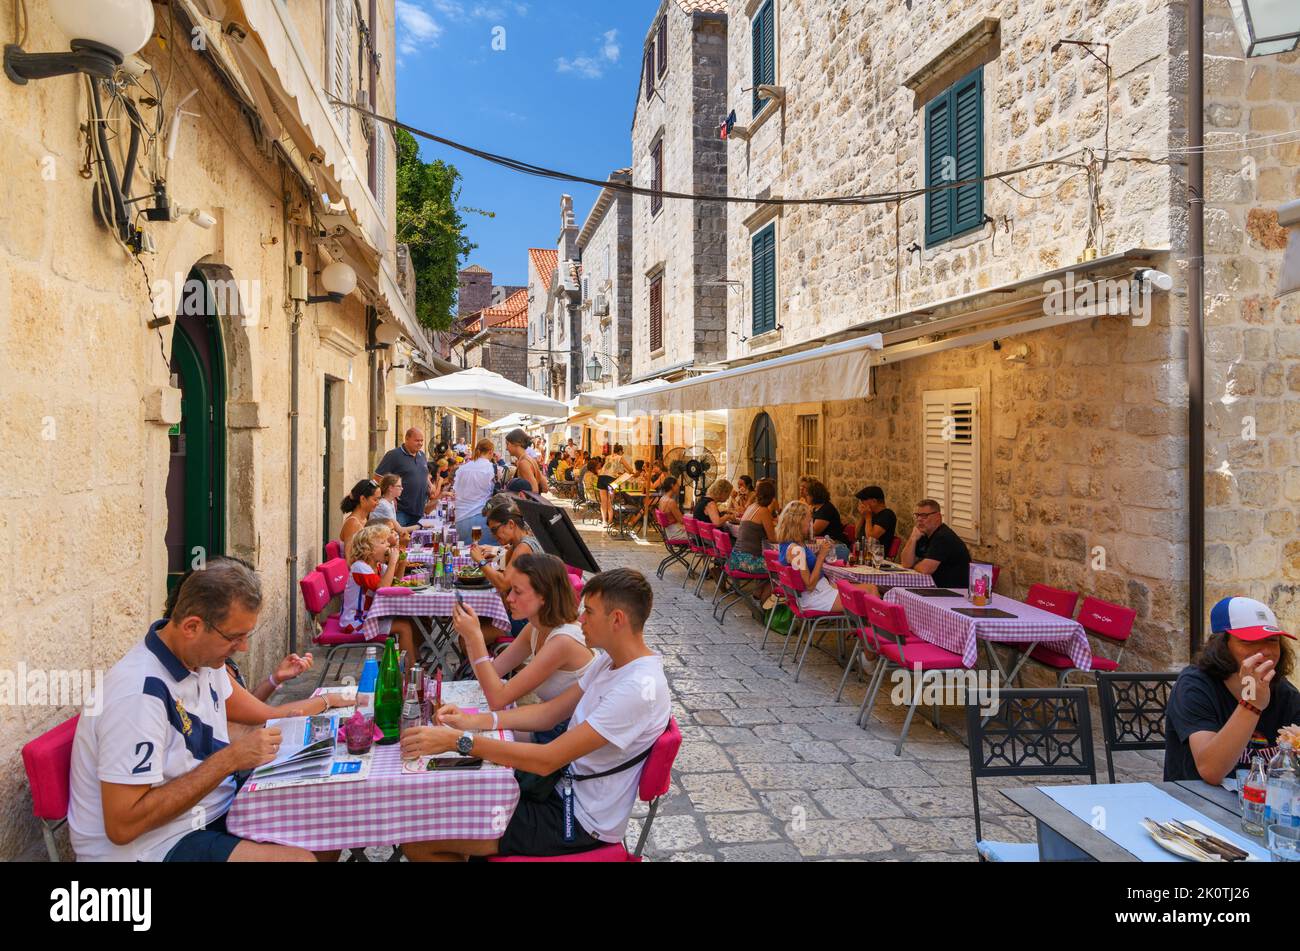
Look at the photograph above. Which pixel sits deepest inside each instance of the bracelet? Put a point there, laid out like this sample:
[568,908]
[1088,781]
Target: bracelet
[274,685]
[494,721]
[1251,707]
[482,660]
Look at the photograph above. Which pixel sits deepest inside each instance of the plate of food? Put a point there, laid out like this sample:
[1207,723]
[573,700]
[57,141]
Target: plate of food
[471,576]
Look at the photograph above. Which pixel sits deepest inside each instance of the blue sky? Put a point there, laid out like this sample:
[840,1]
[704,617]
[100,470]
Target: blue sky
[560,94]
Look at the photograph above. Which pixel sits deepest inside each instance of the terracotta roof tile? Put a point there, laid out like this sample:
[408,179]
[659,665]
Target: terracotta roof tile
[546,260]
[510,314]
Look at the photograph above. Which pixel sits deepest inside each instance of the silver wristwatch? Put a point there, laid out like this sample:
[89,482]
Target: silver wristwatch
[465,745]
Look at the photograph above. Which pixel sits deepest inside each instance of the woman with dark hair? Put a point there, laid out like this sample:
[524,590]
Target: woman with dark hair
[675,530]
[757,525]
[359,504]
[512,531]
[826,518]
[741,496]
[551,645]
[614,466]
[706,506]
[1228,707]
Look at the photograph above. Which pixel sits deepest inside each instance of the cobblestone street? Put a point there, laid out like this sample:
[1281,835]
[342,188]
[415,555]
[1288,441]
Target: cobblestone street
[773,770]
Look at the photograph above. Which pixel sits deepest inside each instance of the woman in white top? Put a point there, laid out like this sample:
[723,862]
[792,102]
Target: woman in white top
[808,556]
[390,490]
[552,644]
[474,486]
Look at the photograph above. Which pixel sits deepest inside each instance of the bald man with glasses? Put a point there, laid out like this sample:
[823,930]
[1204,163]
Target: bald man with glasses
[936,550]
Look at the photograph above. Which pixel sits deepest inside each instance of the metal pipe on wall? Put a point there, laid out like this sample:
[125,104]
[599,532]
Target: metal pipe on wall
[1196,322]
[294,366]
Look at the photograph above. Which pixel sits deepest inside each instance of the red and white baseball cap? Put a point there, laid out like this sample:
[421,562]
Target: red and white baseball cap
[1246,619]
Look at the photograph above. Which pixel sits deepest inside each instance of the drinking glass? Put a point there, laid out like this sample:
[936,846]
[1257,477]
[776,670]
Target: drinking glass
[1284,843]
[476,534]
[359,734]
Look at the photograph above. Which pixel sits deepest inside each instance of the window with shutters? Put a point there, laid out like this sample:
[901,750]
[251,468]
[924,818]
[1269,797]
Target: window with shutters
[663,44]
[339,62]
[656,313]
[954,152]
[381,168]
[763,259]
[657,177]
[763,47]
[810,447]
[649,71]
[950,455]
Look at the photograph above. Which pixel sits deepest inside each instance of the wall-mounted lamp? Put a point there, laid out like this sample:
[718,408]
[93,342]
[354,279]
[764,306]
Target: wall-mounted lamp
[1266,26]
[338,280]
[102,34]
[1157,279]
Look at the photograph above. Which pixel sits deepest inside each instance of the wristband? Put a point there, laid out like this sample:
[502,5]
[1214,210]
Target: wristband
[494,721]
[482,660]
[274,685]
[1251,707]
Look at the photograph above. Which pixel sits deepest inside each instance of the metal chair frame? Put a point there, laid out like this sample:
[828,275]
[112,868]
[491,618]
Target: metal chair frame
[1132,705]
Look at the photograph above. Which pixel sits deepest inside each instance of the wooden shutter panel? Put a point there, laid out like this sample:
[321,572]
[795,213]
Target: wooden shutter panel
[381,168]
[968,147]
[656,314]
[763,257]
[649,72]
[950,457]
[938,147]
[763,42]
[657,176]
[340,62]
[663,44]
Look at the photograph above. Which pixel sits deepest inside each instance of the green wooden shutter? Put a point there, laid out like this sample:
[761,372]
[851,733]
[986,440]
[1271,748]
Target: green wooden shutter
[763,40]
[938,148]
[968,138]
[763,255]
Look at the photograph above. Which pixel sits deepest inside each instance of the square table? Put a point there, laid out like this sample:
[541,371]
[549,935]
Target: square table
[865,574]
[1114,834]
[435,605]
[389,807]
[934,620]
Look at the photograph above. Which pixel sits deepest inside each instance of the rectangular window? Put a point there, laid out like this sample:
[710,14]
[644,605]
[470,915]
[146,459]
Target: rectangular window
[763,45]
[381,168]
[663,44]
[763,258]
[810,447]
[340,62]
[954,152]
[657,176]
[951,454]
[656,313]
[649,71]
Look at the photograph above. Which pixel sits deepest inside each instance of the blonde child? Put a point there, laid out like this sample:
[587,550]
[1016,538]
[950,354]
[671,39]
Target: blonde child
[372,548]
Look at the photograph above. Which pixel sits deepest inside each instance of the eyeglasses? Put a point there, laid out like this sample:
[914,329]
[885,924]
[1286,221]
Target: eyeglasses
[924,514]
[235,639]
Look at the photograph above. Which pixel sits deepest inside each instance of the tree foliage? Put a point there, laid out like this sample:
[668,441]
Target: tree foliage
[429,222]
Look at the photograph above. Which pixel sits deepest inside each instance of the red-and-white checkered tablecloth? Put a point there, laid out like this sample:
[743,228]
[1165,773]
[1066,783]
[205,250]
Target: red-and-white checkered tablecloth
[388,807]
[933,620]
[425,556]
[882,579]
[486,603]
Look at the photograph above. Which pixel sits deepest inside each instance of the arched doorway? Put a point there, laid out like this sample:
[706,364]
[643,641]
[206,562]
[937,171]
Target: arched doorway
[196,482]
[762,448]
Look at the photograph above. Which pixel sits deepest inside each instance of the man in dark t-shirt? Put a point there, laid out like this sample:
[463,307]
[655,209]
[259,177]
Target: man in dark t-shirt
[1229,706]
[935,549]
[874,519]
[409,462]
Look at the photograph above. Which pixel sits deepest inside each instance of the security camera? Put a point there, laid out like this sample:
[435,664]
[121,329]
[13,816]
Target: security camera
[1157,279]
[197,215]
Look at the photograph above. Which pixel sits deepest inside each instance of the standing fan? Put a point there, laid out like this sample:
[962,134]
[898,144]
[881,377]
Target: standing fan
[697,466]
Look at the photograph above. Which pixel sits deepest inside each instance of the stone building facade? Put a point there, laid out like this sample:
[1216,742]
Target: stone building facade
[1081,476]
[605,247]
[98,346]
[542,265]
[496,338]
[680,250]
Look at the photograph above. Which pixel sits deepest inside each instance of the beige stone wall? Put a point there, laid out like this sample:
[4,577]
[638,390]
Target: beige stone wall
[83,473]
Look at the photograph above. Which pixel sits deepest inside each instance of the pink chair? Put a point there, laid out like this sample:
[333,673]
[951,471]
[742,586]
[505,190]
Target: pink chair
[676,547]
[791,582]
[708,552]
[740,582]
[864,638]
[772,560]
[316,596]
[899,647]
[698,552]
[656,778]
[1051,599]
[850,534]
[895,547]
[48,761]
[336,575]
[1109,622]
[576,579]
[333,550]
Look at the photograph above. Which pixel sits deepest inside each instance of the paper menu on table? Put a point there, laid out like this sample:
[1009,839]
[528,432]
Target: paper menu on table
[306,749]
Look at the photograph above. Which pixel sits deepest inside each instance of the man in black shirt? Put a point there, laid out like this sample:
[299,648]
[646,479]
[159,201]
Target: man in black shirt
[409,462]
[874,519]
[934,549]
[1228,707]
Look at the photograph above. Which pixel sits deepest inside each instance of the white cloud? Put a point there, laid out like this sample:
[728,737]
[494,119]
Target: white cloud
[592,65]
[416,28]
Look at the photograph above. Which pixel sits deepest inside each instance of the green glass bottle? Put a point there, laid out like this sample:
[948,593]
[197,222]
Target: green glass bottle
[388,695]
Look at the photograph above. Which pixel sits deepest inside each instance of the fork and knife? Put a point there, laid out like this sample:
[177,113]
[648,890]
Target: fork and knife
[1213,848]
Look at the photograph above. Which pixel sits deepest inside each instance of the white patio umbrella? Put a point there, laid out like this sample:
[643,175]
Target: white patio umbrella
[479,391]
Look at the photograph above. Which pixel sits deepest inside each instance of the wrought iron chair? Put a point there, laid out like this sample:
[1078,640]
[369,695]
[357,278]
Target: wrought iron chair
[1033,733]
[1132,712]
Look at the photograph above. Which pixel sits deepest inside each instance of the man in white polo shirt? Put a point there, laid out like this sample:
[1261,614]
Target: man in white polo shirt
[153,774]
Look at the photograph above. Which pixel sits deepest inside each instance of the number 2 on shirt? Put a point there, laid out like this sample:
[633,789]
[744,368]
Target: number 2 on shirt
[144,765]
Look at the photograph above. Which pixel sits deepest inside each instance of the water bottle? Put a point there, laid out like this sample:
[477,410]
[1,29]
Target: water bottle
[1253,798]
[437,570]
[366,689]
[412,715]
[1283,787]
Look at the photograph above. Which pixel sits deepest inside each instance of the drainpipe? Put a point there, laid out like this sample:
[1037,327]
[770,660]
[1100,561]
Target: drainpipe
[1196,320]
[373,393]
[293,476]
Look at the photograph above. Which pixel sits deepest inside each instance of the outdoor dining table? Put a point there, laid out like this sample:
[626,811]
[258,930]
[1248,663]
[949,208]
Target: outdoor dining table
[1102,823]
[881,578]
[389,807]
[935,620]
[435,605]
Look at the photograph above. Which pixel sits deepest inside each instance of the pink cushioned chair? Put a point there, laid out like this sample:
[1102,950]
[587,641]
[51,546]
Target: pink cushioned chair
[741,583]
[336,575]
[900,647]
[333,550]
[656,777]
[48,761]
[864,638]
[791,582]
[772,560]
[316,596]
[1109,622]
[895,547]
[676,547]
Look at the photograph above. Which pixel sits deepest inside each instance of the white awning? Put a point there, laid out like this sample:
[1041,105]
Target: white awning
[835,372]
[478,389]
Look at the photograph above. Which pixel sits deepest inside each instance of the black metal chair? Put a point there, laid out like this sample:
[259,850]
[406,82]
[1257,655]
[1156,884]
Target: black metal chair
[1133,712]
[1033,733]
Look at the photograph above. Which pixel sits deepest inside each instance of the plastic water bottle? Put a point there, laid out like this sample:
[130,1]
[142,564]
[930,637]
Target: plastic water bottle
[437,570]
[366,689]
[1283,788]
[1253,796]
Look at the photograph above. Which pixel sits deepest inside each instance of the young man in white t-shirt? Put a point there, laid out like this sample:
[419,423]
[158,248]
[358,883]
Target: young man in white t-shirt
[154,772]
[617,710]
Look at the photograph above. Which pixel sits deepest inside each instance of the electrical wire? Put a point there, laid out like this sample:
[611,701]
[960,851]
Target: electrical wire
[20,23]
